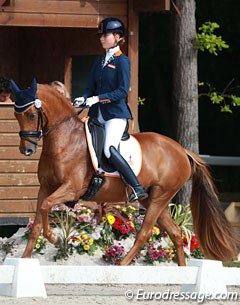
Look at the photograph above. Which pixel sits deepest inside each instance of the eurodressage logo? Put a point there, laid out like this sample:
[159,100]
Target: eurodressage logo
[169,295]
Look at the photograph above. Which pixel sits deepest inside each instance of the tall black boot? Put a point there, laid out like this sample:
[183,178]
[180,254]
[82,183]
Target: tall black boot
[125,170]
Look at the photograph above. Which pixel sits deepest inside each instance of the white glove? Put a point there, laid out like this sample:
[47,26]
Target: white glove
[78,101]
[92,100]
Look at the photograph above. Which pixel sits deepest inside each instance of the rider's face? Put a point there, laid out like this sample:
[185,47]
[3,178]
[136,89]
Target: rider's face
[109,40]
[4,96]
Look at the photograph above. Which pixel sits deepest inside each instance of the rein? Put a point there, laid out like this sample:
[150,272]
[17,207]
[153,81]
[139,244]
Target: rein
[44,133]
[39,133]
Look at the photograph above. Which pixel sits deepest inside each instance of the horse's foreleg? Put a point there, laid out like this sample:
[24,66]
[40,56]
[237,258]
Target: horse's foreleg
[166,222]
[156,205]
[60,196]
[36,229]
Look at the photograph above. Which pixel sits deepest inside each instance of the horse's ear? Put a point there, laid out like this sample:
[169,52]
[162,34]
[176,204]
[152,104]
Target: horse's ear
[14,86]
[33,89]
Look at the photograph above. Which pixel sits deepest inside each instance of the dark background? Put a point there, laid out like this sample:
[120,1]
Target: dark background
[219,133]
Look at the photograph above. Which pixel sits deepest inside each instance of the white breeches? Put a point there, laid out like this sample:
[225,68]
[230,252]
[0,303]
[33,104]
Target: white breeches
[114,129]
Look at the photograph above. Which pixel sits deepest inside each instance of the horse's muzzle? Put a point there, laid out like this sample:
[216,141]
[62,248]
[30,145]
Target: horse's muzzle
[28,151]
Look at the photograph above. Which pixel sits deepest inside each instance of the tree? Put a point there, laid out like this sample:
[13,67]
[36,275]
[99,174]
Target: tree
[185,79]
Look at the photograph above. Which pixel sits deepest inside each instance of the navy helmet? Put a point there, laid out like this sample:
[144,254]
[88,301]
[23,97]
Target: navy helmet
[111,25]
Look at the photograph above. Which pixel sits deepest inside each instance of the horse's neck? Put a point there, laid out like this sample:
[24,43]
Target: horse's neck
[69,136]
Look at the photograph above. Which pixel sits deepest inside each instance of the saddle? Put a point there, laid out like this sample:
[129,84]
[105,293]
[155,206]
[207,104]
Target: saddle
[97,132]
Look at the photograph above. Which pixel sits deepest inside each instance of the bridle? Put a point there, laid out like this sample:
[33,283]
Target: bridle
[39,133]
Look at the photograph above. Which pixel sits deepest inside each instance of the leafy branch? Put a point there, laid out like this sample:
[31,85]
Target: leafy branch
[206,40]
[224,99]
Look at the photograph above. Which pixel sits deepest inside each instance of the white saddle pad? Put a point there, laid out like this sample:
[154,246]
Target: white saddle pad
[129,149]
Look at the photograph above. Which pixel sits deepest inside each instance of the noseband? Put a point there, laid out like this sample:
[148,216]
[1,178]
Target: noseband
[39,133]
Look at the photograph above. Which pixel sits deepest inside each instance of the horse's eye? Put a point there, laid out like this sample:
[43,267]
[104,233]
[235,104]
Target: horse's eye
[32,116]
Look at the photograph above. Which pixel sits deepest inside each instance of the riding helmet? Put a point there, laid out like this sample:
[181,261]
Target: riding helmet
[111,25]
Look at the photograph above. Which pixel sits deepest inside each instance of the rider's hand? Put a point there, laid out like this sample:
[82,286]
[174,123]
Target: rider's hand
[78,101]
[92,100]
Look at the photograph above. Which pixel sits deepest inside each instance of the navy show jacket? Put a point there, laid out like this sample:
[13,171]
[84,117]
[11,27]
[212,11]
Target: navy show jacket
[111,84]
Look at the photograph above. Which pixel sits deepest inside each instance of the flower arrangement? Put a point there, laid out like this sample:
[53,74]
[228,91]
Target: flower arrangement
[118,225]
[114,253]
[156,253]
[84,244]
[195,248]
[81,233]
[72,224]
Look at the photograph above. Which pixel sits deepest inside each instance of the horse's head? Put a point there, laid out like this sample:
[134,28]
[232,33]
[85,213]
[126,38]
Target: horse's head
[28,112]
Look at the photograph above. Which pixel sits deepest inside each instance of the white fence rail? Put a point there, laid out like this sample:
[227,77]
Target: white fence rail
[200,276]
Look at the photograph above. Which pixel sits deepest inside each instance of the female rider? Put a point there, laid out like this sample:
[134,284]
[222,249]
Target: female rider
[106,94]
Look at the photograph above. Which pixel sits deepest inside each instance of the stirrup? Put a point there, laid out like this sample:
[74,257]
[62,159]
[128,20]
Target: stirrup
[134,196]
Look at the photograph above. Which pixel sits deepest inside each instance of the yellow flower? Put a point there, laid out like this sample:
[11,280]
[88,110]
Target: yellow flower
[124,209]
[40,237]
[131,224]
[130,215]
[110,218]
[84,236]
[155,231]
[37,246]
[104,219]
[86,247]
[132,208]
[90,241]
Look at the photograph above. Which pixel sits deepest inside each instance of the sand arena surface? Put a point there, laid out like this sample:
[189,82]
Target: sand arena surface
[109,294]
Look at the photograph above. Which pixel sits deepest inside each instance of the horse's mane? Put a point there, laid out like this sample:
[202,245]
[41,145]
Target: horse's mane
[50,95]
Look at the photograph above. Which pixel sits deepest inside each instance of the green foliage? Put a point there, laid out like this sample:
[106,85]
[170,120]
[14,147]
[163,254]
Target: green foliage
[206,40]
[197,253]
[183,217]
[224,99]
[141,101]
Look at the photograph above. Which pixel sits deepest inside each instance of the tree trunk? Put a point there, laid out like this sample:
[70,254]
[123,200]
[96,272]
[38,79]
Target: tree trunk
[185,90]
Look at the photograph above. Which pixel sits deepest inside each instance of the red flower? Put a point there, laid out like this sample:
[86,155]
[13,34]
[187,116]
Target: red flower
[74,238]
[194,243]
[122,227]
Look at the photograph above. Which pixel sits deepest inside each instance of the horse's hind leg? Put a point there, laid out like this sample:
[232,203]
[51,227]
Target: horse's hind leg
[156,203]
[166,222]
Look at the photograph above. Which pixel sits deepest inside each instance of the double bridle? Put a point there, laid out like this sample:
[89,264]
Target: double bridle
[39,133]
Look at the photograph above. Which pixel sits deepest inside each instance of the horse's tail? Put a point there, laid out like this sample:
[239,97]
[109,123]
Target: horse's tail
[211,227]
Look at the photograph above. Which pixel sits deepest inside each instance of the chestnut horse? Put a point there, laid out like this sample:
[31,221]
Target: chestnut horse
[65,170]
